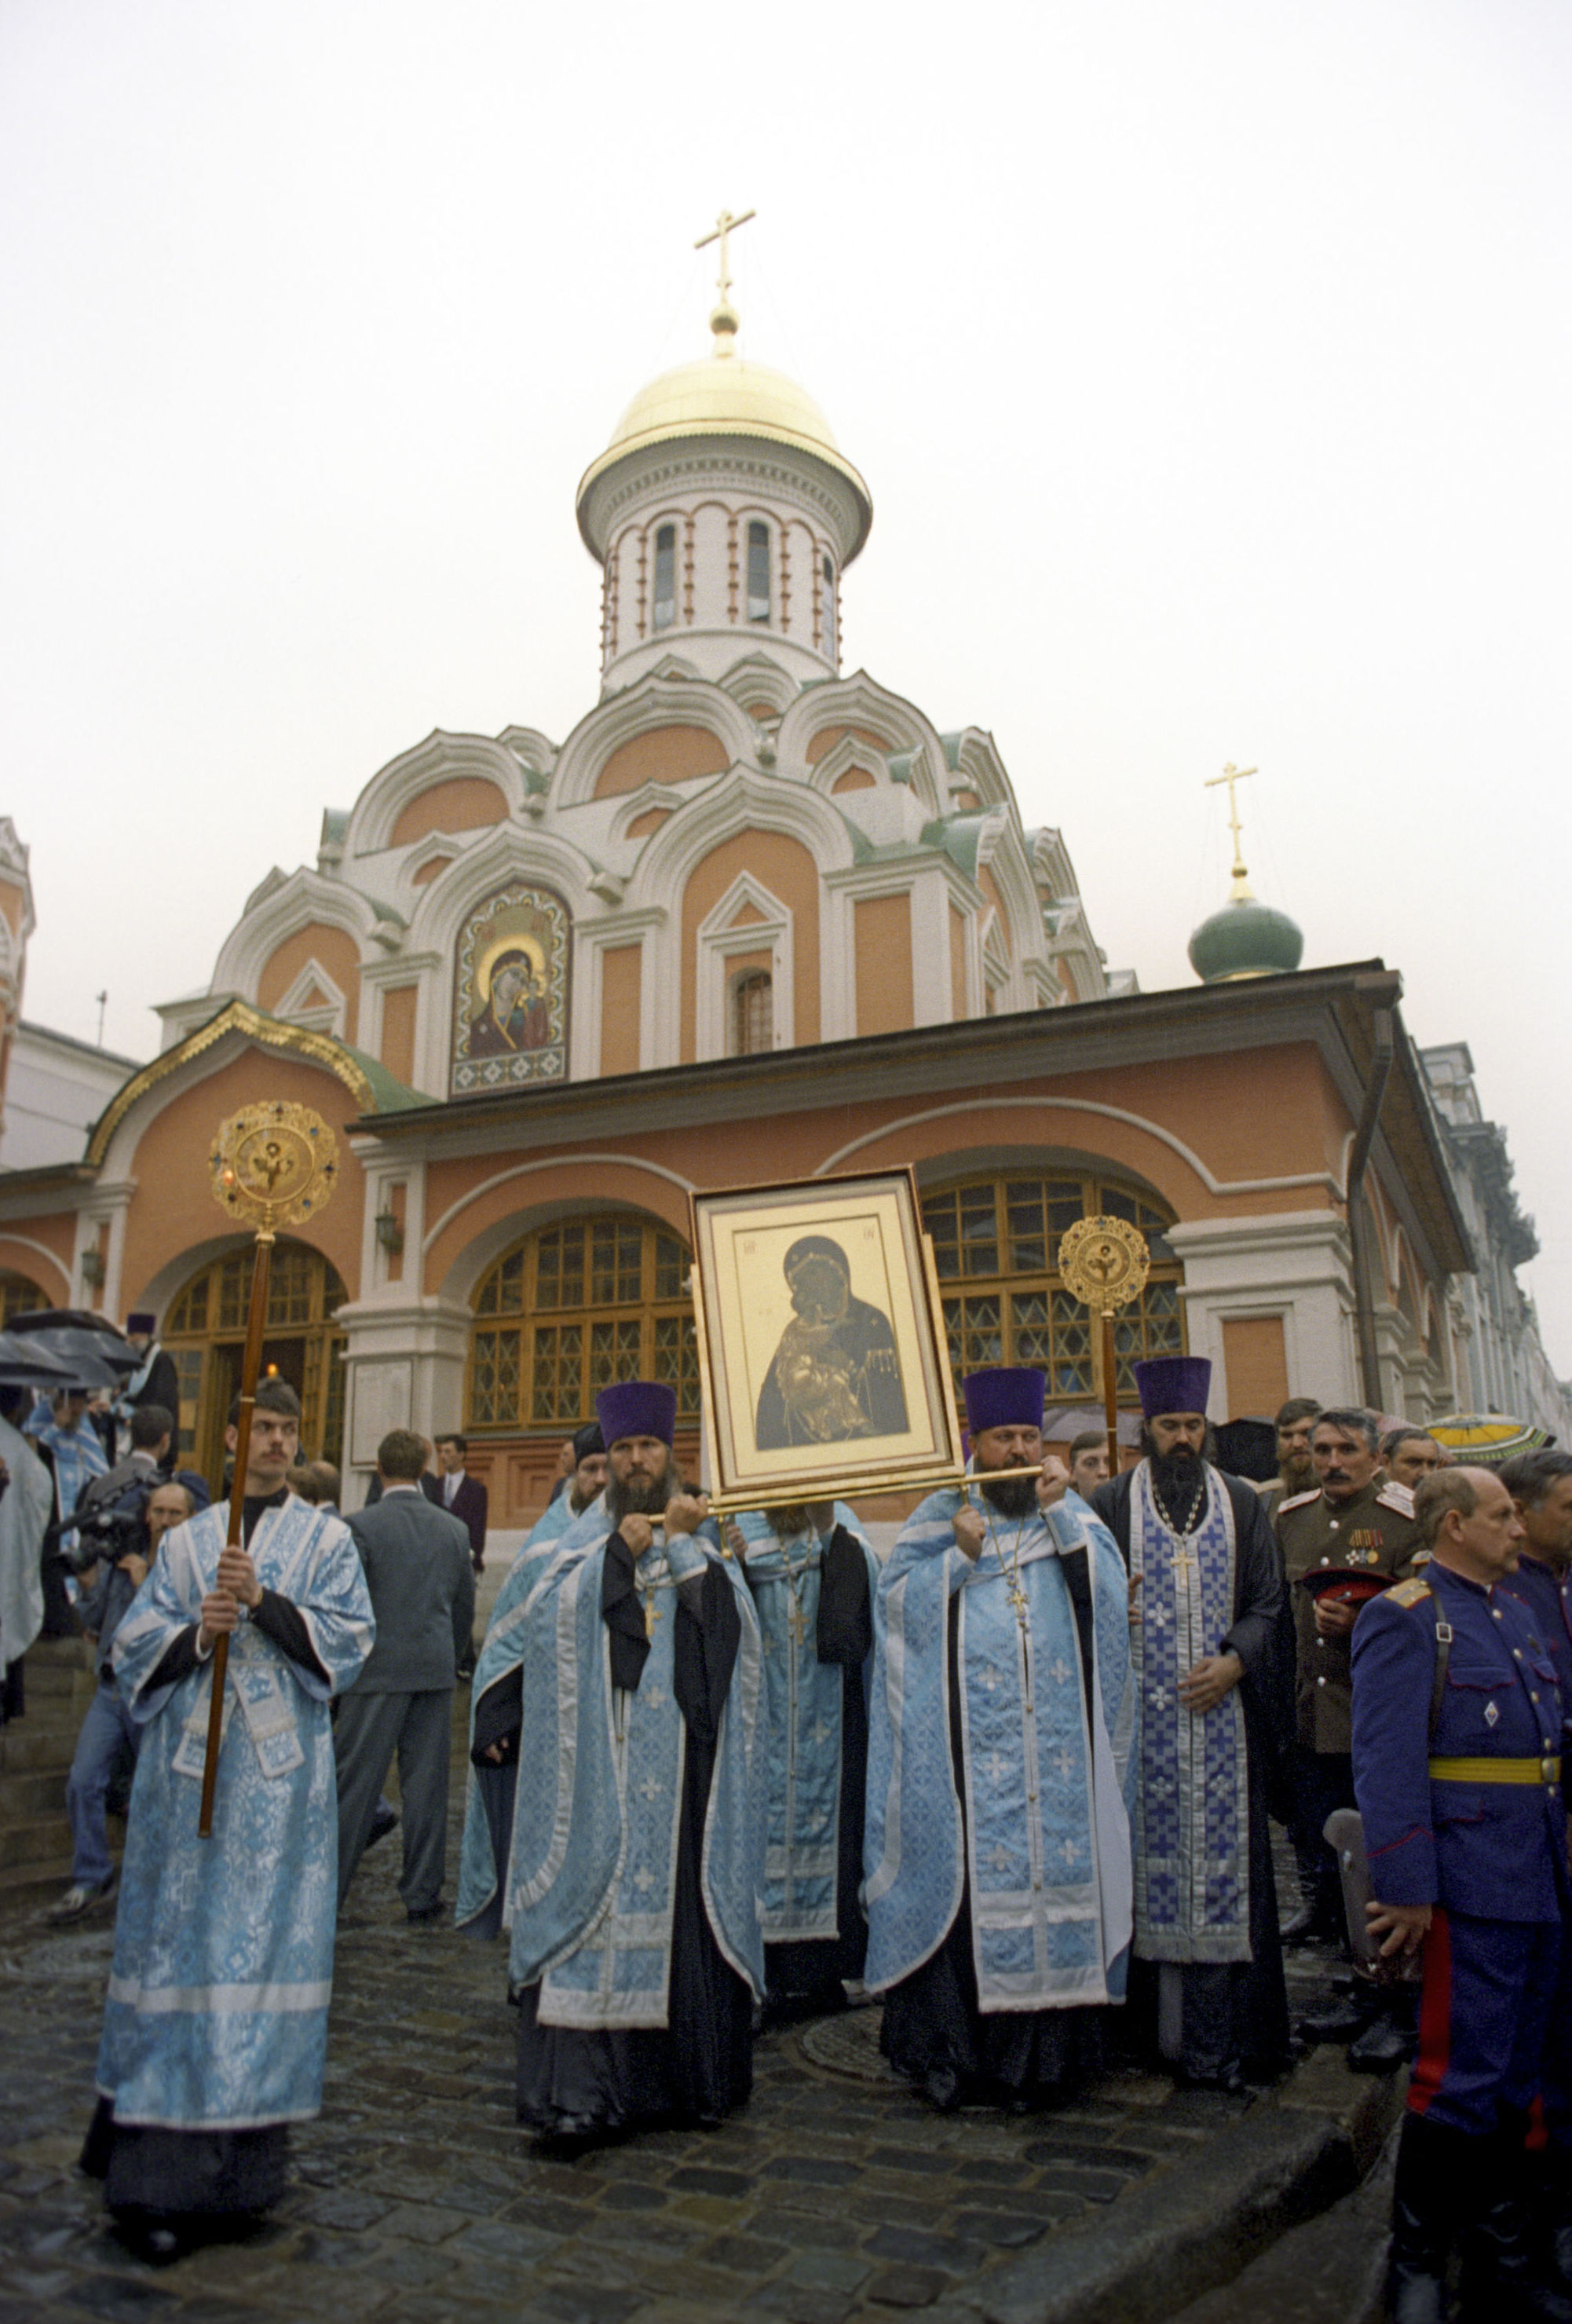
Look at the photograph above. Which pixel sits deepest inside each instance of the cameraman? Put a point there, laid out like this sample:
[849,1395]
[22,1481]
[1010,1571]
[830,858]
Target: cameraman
[120,1519]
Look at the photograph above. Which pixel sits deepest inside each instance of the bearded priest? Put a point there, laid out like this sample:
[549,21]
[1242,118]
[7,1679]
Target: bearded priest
[998,1851]
[1213,1651]
[634,1707]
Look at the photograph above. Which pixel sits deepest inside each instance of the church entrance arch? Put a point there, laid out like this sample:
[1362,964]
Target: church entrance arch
[995,1248]
[572,1307]
[205,1333]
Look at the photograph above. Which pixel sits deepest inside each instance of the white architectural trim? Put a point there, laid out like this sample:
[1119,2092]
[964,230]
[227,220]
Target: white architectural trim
[549,1162]
[644,707]
[719,943]
[327,1016]
[859,700]
[591,944]
[1223,1187]
[29,1243]
[440,758]
[305,899]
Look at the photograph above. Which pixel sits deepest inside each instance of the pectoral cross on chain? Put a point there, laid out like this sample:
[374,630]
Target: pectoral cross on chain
[651,1616]
[1183,1563]
[797,1624]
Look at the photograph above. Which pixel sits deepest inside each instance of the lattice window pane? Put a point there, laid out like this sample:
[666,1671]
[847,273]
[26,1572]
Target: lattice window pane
[614,1350]
[289,1289]
[1070,1371]
[979,1225]
[189,1313]
[502,1291]
[941,1221]
[494,1385]
[676,1360]
[671,1265]
[616,1263]
[234,1288]
[555,1372]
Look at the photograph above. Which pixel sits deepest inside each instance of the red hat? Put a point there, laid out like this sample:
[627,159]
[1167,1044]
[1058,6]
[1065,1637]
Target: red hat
[1344,1585]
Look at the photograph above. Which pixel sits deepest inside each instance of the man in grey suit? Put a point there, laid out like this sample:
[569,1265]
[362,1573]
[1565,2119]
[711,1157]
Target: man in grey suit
[416,1561]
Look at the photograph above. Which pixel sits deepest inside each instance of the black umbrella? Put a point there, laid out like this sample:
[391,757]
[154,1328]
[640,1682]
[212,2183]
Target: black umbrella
[24,1364]
[98,1354]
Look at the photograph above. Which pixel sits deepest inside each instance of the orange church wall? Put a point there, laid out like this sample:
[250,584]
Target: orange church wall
[1278,1137]
[787,869]
[650,820]
[339,956]
[855,778]
[621,978]
[174,1209]
[1256,1360]
[989,886]
[20,1256]
[827,737]
[885,999]
[669,754]
[957,964]
[398,1030]
[462,803]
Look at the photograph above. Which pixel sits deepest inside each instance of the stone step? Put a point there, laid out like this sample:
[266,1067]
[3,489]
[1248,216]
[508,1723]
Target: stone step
[40,1793]
[25,1888]
[36,1742]
[31,1840]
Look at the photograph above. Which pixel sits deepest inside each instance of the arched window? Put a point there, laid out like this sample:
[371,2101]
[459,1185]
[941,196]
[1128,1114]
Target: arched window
[827,611]
[752,1012]
[665,576]
[573,1308]
[996,1246]
[19,1295]
[759,571]
[205,1333]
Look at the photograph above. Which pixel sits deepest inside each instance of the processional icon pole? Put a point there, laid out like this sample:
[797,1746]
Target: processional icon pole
[1105,1264]
[274,1165]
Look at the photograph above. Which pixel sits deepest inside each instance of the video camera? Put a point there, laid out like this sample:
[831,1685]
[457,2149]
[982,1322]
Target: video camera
[110,1518]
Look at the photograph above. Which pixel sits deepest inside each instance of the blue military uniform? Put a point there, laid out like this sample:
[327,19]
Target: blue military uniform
[1468,1820]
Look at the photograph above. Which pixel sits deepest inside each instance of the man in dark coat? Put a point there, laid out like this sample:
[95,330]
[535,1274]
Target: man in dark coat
[1212,1654]
[155,1381]
[453,1490]
[423,1594]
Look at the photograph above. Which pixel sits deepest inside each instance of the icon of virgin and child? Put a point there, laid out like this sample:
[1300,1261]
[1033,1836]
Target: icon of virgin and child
[514,1010]
[836,1373]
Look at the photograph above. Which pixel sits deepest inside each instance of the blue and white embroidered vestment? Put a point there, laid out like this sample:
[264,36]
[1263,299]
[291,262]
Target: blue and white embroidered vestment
[804,1700]
[480,1875]
[217,2016]
[1044,1837]
[591,1884]
[1193,1822]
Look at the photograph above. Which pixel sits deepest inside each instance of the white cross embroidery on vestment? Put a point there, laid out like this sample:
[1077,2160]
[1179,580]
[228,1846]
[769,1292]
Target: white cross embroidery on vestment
[644,1881]
[996,1767]
[990,1677]
[1070,1852]
[1001,1857]
[655,1696]
[1060,1670]
[650,1789]
[1066,1764]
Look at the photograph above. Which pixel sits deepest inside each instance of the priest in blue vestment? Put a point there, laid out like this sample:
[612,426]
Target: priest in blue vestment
[215,2025]
[488,1819]
[813,1573]
[634,1708]
[1000,1759]
[1214,1661]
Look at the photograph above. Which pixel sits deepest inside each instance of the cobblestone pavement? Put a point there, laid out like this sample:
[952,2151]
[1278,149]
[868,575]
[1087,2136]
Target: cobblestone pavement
[835,2194]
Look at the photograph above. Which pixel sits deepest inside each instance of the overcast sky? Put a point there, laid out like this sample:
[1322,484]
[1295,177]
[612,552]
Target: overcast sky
[1208,364]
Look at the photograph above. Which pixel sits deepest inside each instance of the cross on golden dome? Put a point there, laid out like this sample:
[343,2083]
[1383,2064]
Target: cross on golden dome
[723,322]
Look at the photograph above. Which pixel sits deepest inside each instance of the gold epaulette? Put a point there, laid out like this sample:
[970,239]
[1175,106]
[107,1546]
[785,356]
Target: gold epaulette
[1409,1593]
[1298,1502]
[1395,1496]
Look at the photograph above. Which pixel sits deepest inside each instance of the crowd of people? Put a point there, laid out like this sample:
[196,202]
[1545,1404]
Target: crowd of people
[1015,1780]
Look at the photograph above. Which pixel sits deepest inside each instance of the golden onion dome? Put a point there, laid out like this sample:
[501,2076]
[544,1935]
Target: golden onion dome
[723,395]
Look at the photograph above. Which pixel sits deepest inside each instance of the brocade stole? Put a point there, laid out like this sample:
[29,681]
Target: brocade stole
[1192,1831]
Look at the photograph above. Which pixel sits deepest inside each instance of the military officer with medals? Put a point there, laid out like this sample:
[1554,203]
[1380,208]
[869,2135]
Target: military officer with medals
[1457,1723]
[1354,1519]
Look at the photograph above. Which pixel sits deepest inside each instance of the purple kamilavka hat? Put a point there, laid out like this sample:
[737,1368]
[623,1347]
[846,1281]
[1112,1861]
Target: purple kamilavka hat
[1173,1384]
[1010,1396]
[637,1408]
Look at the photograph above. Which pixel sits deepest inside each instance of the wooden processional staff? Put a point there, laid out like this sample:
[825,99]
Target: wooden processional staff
[272,1166]
[1105,1263]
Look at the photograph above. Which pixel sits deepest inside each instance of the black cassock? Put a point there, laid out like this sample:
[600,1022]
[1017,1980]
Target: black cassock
[1232,2013]
[935,2031]
[806,1974]
[575,2082]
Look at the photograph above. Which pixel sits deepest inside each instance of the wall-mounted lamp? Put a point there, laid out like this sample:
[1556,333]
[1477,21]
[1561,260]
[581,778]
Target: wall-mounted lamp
[389,1230]
[93,1267]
